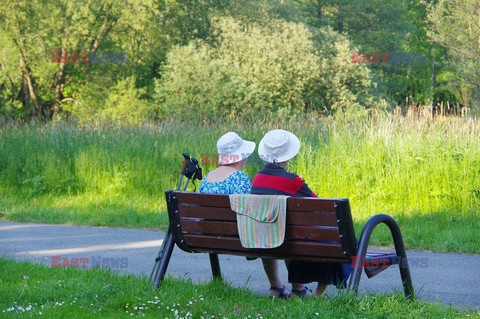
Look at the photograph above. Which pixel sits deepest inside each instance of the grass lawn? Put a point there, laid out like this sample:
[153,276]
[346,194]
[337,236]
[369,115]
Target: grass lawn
[30,290]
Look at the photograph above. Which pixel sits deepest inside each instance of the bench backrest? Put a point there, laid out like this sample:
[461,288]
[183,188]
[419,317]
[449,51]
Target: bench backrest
[316,229]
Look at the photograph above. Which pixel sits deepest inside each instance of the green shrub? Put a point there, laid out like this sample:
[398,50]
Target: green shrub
[123,103]
[247,68]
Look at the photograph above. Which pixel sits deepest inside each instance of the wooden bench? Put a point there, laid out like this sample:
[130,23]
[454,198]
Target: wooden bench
[316,230]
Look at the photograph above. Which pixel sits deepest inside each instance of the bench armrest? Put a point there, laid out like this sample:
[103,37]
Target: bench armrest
[399,249]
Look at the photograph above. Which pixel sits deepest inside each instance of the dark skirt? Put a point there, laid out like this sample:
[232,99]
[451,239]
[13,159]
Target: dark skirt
[304,272]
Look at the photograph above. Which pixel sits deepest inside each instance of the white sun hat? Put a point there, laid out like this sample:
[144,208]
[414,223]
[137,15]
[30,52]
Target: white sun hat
[278,146]
[232,148]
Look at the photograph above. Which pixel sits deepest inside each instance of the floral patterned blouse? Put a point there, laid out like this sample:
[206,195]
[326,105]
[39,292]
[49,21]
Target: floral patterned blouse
[237,183]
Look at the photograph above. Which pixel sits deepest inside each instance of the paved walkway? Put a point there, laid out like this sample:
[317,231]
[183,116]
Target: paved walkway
[449,278]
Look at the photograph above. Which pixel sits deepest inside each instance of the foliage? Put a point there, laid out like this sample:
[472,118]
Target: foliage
[142,31]
[342,85]
[383,27]
[124,104]
[249,68]
[31,86]
[461,37]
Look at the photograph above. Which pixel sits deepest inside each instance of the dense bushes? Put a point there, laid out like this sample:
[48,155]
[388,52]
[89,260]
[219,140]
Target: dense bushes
[271,67]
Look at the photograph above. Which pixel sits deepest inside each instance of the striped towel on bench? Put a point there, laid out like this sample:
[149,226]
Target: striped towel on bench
[260,219]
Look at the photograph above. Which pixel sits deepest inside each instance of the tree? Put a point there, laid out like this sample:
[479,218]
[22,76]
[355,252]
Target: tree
[455,24]
[381,26]
[38,28]
[142,30]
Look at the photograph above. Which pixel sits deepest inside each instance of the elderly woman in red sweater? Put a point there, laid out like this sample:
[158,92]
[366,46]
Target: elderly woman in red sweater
[276,149]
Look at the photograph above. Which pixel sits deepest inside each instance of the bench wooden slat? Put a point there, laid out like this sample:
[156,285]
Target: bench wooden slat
[230,229]
[294,204]
[209,227]
[226,214]
[312,218]
[309,233]
[289,250]
[299,204]
[212,213]
[209,200]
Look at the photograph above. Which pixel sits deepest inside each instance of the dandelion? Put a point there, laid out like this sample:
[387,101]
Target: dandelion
[25,277]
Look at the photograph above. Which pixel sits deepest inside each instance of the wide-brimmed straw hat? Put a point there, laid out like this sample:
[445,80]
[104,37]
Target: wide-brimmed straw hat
[232,148]
[278,146]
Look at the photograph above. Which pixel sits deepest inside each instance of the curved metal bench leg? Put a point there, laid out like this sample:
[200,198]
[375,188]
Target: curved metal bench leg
[399,248]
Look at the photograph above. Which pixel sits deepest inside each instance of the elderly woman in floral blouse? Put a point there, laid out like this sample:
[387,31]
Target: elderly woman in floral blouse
[233,153]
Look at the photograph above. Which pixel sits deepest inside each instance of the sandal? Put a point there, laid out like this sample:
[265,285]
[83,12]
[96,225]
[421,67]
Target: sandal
[305,292]
[282,292]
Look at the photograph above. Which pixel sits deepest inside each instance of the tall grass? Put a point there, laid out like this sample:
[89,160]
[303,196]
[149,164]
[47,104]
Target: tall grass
[425,172]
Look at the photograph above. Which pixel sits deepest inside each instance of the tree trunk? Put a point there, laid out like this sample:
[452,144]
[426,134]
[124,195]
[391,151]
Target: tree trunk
[432,75]
[477,95]
[319,9]
[104,30]
[59,87]
[31,89]
[340,19]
